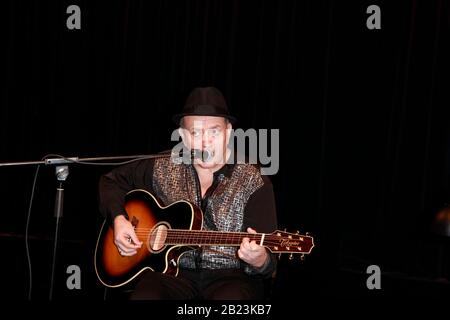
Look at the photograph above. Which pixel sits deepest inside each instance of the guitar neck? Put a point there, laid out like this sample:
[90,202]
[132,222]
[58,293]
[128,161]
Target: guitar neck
[276,242]
[204,237]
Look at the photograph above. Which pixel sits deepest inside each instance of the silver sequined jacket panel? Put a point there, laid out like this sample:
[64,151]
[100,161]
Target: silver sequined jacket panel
[224,207]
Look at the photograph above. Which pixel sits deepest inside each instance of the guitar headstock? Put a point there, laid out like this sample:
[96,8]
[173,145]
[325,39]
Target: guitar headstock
[286,242]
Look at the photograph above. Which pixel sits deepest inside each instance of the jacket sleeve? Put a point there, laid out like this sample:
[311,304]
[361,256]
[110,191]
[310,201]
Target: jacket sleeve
[260,214]
[114,185]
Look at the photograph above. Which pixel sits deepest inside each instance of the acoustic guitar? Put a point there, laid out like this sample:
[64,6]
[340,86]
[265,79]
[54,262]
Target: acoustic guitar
[169,231]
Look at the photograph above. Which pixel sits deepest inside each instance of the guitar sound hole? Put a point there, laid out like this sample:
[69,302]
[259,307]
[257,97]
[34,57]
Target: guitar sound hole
[158,237]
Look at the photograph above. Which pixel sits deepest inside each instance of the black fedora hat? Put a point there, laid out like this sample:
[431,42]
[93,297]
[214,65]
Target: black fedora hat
[205,101]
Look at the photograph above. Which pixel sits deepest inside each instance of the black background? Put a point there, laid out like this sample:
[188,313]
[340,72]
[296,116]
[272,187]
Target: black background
[362,114]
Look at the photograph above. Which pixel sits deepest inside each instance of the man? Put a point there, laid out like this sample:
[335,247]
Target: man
[233,198]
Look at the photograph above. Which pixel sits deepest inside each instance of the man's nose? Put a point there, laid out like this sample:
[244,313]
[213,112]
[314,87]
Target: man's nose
[206,137]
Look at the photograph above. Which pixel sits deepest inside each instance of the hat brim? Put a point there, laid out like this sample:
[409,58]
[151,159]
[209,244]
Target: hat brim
[176,118]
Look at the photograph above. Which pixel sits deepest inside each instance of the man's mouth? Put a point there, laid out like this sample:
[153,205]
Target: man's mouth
[207,155]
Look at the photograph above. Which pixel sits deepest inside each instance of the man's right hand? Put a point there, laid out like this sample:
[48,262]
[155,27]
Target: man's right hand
[125,238]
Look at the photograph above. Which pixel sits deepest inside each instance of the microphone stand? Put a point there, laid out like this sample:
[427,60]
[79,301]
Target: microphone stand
[62,172]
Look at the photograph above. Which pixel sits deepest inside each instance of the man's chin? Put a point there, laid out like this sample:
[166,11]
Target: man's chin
[206,164]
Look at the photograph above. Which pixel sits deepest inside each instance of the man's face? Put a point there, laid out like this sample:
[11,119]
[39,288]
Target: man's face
[207,133]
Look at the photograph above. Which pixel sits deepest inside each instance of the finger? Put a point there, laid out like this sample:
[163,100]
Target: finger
[126,252]
[245,244]
[126,241]
[130,253]
[243,250]
[129,250]
[256,248]
[245,240]
[253,245]
[134,240]
[241,254]
[121,238]
[131,245]
[122,243]
[250,230]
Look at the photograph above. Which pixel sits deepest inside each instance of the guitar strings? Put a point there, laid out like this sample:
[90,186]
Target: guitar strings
[174,233]
[206,237]
[178,236]
[183,231]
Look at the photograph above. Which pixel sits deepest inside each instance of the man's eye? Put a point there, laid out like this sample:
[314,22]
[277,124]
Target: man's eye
[195,133]
[214,132]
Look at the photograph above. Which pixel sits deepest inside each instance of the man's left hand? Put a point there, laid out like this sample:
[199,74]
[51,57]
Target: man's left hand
[251,252]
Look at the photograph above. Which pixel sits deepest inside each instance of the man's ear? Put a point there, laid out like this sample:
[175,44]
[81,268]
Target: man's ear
[181,132]
[228,133]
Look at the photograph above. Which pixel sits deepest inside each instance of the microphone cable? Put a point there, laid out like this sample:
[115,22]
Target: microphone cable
[27,247]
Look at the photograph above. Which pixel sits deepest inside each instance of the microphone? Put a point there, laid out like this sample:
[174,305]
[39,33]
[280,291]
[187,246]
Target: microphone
[204,155]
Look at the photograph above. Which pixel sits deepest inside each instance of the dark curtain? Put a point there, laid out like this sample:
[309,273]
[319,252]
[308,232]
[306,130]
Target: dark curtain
[362,114]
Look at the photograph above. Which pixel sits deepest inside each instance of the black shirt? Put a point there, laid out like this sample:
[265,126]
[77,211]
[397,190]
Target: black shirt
[239,197]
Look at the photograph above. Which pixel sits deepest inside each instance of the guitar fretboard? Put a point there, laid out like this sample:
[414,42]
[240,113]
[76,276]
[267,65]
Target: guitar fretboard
[203,237]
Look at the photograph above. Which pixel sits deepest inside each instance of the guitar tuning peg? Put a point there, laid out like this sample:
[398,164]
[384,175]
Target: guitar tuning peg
[291,256]
[302,257]
[279,256]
